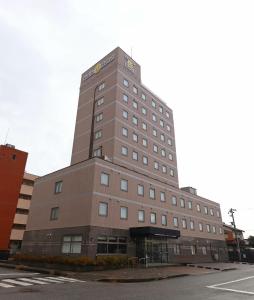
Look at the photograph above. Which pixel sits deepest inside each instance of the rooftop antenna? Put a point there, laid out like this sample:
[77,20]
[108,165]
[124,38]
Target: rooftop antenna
[6,136]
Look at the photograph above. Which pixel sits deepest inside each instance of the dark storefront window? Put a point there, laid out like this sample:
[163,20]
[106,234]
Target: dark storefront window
[111,245]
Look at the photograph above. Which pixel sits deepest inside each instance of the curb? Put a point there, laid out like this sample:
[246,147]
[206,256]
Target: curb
[133,280]
[211,268]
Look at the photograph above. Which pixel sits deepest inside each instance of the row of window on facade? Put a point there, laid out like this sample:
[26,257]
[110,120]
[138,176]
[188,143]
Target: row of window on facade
[135,138]
[105,178]
[164,168]
[143,97]
[103,211]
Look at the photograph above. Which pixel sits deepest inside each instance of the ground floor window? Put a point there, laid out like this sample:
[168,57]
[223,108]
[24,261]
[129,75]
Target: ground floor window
[72,244]
[111,245]
[204,250]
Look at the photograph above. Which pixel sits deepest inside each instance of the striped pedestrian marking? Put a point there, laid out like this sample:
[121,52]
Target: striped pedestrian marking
[5,285]
[16,282]
[48,279]
[66,279]
[32,280]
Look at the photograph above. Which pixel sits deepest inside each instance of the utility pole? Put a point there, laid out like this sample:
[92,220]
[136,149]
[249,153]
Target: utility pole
[231,213]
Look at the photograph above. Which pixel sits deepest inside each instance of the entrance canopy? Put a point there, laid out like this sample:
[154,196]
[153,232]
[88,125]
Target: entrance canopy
[154,231]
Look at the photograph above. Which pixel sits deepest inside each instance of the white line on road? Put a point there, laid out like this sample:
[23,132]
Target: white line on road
[48,279]
[217,286]
[18,274]
[17,282]
[5,285]
[32,280]
[68,279]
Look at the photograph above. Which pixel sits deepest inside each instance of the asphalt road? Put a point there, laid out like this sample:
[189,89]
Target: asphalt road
[238,284]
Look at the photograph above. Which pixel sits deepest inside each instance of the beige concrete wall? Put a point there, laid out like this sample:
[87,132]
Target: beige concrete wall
[20,219]
[74,201]
[17,234]
[24,204]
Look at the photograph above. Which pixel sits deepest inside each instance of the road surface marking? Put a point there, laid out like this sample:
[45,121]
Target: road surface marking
[217,286]
[32,280]
[5,285]
[16,282]
[66,279]
[18,274]
[48,279]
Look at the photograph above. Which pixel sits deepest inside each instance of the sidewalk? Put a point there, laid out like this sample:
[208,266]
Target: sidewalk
[135,274]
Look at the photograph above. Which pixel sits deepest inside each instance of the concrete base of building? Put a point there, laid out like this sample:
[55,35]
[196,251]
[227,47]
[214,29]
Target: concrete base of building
[150,250]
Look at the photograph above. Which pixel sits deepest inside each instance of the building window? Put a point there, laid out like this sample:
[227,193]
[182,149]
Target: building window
[154,132]
[162,137]
[104,179]
[72,244]
[144,126]
[167,114]
[140,190]
[126,82]
[184,223]
[111,245]
[214,229]
[144,112]
[54,214]
[154,117]
[174,200]
[143,96]
[125,98]
[164,169]
[135,137]
[198,208]
[161,123]
[152,193]
[211,212]
[100,101]
[169,142]
[145,160]
[206,210]
[156,165]
[135,90]
[192,225]
[163,152]
[98,134]
[177,249]
[163,196]
[101,86]
[170,156]
[175,221]
[161,109]
[153,104]
[135,120]
[164,220]
[153,218]
[99,117]
[124,185]
[103,209]
[189,204]
[208,227]
[97,152]
[124,150]
[221,230]
[135,104]
[141,216]
[182,202]
[144,142]
[124,212]
[171,172]
[58,187]
[168,128]
[193,250]
[135,155]
[218,213]
[155,148]
[125,114]
[204,251]
[124,131]
[200,225]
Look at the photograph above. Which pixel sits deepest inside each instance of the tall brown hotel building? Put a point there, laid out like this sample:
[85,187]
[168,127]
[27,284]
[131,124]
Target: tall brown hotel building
[121,195]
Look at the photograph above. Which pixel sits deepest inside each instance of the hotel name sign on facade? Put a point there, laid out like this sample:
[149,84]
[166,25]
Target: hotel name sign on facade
[129,64]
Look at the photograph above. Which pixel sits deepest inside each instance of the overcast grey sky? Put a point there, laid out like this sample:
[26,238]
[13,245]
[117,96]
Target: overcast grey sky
[198,56]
